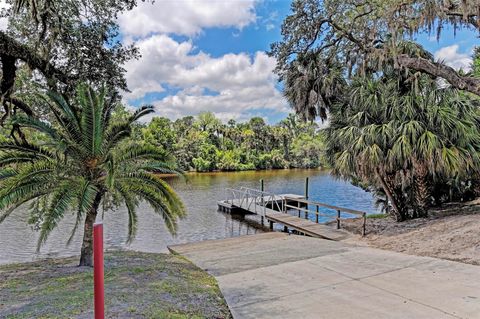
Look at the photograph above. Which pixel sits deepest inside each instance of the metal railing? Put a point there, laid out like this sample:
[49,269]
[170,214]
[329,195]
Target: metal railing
[246,197]
[317,213]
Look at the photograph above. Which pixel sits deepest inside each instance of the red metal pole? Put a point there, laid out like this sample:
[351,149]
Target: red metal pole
[99,298]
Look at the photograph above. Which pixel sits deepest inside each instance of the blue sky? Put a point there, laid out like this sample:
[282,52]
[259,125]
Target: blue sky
[210,56]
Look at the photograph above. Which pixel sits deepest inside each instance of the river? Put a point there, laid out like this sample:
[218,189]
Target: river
[200,192]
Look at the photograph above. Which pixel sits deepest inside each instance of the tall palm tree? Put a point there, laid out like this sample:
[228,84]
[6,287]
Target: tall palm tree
[84,162]
[402,135]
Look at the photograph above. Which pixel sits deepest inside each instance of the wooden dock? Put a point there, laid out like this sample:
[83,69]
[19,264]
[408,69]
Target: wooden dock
[275,209]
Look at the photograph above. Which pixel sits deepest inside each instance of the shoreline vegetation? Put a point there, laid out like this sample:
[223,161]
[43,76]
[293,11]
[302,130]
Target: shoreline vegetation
[204,144]
[140,285]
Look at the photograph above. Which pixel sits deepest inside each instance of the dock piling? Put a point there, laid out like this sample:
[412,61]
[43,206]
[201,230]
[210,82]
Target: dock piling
[364,226]
[306,187]
[338,219]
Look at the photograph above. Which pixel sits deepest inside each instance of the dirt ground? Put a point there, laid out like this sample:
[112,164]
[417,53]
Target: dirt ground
[452,233]
[137,285]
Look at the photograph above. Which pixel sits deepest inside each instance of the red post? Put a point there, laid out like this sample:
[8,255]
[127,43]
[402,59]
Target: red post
[99,298]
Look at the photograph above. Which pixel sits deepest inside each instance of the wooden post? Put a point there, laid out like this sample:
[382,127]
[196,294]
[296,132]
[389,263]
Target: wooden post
[338,219]
[263,223]
[285,229]
[306,187]
[298,205]
[306,214]
[261,185]
[271,224]
[317,214]
[364,228]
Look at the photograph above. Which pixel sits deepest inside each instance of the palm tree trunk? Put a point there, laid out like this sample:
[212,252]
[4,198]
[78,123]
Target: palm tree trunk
[86,255]
[476,185]
[421,189]
[393,197]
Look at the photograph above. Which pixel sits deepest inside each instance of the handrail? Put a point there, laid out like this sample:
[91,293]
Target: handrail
[313,203]
[260,199]
[308,211]
[317,213]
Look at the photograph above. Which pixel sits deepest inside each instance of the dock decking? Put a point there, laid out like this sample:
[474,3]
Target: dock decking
[274,208]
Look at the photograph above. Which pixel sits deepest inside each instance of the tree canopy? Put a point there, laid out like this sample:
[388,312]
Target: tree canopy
[55,45]
[204,143]
[364,35]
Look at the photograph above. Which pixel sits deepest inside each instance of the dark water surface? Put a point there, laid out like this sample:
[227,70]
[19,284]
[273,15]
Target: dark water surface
[200,194]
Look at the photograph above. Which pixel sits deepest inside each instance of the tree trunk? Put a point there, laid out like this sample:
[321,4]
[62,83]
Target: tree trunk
[421,189]
[86,256]
[476,185]
[394,195]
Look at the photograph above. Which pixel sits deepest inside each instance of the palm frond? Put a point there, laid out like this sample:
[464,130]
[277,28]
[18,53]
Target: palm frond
[62,199]
[85,196]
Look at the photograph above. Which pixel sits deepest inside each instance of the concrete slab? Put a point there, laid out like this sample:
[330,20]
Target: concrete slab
[275,275]
[250,252]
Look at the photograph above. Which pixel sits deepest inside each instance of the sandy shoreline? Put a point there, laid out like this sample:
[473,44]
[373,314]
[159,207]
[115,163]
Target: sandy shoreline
[451,233]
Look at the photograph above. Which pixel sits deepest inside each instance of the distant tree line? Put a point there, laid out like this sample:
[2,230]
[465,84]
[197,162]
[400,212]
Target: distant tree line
[203,143]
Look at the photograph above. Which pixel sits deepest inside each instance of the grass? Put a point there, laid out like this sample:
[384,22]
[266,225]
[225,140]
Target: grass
[138,285]
[377,216]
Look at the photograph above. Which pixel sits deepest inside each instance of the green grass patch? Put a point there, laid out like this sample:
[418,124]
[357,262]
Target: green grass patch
[137,285]
[377,216]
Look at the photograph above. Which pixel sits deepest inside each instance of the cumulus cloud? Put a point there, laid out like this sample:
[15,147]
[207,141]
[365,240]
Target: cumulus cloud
[451,56]
[186,17]
[231,85]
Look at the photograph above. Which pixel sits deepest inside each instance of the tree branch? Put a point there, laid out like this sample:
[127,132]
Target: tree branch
[458,81]
[17,50]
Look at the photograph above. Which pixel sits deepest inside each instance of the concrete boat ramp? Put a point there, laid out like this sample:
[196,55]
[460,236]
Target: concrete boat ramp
[276,275]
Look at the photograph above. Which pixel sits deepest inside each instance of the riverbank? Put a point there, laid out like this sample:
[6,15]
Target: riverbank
[450,233]
[138,285]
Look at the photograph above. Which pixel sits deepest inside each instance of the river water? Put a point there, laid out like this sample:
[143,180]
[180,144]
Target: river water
[200,192]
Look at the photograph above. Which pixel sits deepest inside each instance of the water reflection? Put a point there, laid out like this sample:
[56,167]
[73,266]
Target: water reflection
[200,193]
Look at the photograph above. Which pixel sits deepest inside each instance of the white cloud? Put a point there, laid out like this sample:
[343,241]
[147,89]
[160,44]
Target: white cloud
[232,85]
[450,56]
[186,17]
[3,21]
[270,21]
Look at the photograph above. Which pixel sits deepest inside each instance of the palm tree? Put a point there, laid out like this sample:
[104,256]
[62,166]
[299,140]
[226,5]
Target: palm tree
[84,162]
[313,86]
[402,136]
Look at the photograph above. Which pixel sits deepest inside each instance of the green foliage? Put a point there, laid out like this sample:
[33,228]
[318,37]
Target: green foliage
[403,134]
[160,133]
[81,162]
[476,62]
[59,44]
[320,37]
[308,150]
[205,144]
